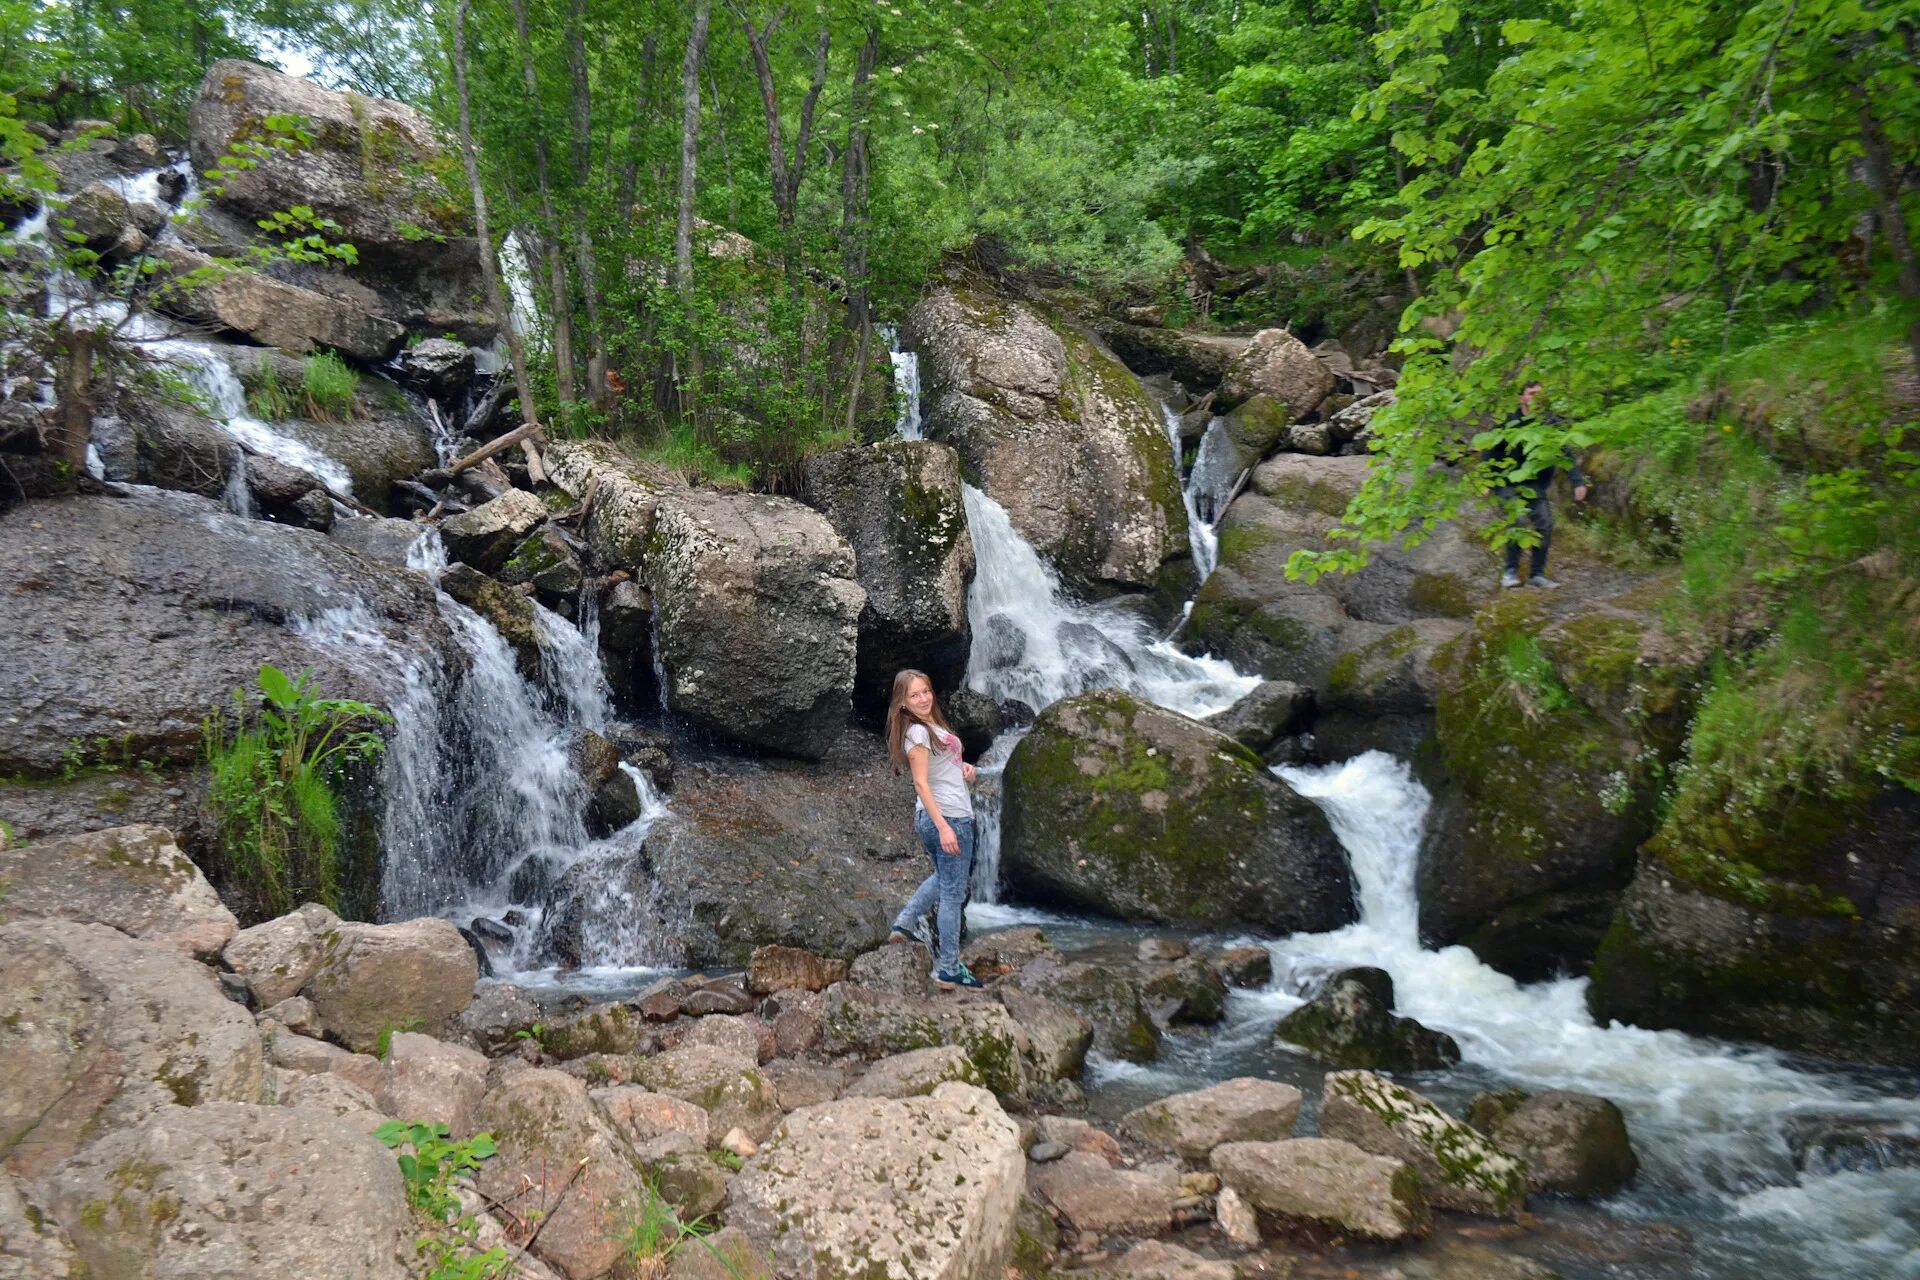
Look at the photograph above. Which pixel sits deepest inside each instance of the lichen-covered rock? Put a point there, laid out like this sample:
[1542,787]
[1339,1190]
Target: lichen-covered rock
[414,974]
[277,957]
[1057,1037]
[1326,1182]
[1094,1196]
[546,561]
[231,1191]
[99,1031]
[1574,1144]
[133,878]
[877,1024]
[1105,996]
[898,504]
[775,968]
[728,1086]
[561,1163]
[916,1072]
[1055,430]
[1459,1168]
[427,1079]
[600,1028]
[485,536]
[1245,966]
[373,166]
[272,311]
[1278,365]
[644,1118]
[1191,1125]
[626,496]
[886,1189]
[32,1246]
[1117,806]
[757,610]
[1351,1023]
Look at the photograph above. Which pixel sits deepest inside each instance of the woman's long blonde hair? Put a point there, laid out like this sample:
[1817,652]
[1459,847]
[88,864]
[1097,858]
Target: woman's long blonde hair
[898,717]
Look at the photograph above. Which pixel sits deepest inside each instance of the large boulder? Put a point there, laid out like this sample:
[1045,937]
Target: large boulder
[1058,1037]
[562,1163]
[168,446]
[415,975]
[1191,1125]
[757,611]
[898,504]
[1575,1144]
[271,311]
[878,1024]
[1055,430]
[99,1031]
[1556,726]
[728,1086]
[915,1072]
[230,1191]
[422,1078]
[1279,365]
[1105,996]
[485,536]
[1197,361]
[276,958]
[1351,1023]
[921,1187]
[1324,1182]
[1121,807]
[373,166]
[133,878]
[1459,1168]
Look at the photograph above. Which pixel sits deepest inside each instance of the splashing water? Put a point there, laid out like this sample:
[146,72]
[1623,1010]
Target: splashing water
[1201,513]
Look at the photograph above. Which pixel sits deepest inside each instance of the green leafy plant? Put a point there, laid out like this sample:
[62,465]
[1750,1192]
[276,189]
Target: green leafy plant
[656,1232]
[267,398]
[274,769]
[330,387]
[432,1164]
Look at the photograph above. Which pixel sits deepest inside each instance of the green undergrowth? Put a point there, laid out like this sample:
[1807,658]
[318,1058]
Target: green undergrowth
[325,390]
[1786,486]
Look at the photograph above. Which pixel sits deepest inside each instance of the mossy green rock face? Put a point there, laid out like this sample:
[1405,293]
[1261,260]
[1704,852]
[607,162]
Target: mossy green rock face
[1459,1167]
[1120,807]
[1552,733]
[1348,1025]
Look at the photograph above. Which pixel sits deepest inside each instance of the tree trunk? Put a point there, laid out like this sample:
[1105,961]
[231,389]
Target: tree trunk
[689,376]
[583,250]
[642,111]
[786,174]
[1883,181]
[853,216]
[73,423]
[556,262]
[489,265]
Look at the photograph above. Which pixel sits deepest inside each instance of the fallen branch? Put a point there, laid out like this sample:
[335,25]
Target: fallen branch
[524,432]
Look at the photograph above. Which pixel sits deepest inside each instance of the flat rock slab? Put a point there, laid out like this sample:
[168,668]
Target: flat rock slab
[919,1071]
[887,1189]
[1460,1168]
[1107,1201]
[1332,1183]
[1239,1110]
[415,974]
[133,878]
[232,1191]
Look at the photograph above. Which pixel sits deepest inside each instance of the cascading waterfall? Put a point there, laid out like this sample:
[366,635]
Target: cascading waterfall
[1201,513]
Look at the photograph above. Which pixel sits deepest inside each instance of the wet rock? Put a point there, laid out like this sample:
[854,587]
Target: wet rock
[1278,365]
[1110,1000]
[499,1013]
[1351,1023]
[1004,950]
[1161,950]
[727,1086]
[113,640]
[1573,1143]
[99,1031]
[158,1199]
[373,167]
[417,974]
[877,1024]
[1274,709]
[169,446]
[424,1079]
[914,1073]
[1117,806]
[437,367]
[626,618]
[1056,431]
[922,1186]
[1094,1196]
[1197,364]
[547,562]
[562,1163]
[485,536]
[1326,1182]
[976,718]
[1004,645]
[99,215]
[1186,992]
[613,799]
[775,968]
[1458,1167]
[272,312]
[1840,1144]
[1192,1124]
[508,611]
[898,505]
[133,878]
[278,957]
[1245,967]
[1058,1038]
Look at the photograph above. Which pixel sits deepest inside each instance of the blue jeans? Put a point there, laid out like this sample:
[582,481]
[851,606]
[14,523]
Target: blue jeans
[946,888]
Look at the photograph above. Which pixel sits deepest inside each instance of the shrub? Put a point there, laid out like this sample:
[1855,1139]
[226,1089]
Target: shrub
[330,387]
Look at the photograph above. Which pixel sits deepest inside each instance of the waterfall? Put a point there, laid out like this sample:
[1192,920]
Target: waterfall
[206,370]
[1711,1121]
[1203,506]
[906,385]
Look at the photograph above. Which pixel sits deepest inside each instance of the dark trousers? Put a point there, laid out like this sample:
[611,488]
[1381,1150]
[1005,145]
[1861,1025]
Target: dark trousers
[1540,516]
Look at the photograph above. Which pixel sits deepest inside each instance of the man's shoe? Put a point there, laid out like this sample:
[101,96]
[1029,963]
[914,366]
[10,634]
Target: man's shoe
[961,977]
[1542,581]
[1509,579]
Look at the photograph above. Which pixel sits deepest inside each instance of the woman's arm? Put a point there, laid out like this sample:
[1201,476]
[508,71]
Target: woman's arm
[917,758]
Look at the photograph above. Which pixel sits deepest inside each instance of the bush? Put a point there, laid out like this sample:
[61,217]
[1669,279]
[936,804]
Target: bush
[272,789]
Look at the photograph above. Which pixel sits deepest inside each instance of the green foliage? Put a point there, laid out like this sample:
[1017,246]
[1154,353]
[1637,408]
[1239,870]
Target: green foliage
[273,772]
[330,386]
[267,398]
[432,1164]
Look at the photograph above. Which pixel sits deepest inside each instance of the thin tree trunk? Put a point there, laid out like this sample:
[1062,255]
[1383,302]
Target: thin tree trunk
[74,421]
[689,169]
[853,215]
[786,174]
[1882,179]
[642,111]
[489,267]
[583,250]
[556,262]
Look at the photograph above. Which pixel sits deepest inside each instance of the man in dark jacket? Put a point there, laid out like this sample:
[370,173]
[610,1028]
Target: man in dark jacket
[1527,476]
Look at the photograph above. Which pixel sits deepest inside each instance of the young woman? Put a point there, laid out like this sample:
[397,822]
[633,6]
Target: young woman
[918,739]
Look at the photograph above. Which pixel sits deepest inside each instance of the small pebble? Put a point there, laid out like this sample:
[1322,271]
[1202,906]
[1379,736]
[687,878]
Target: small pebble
[1047,1152]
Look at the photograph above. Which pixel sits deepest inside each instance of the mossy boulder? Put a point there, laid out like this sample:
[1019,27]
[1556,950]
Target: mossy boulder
[1575,1144]
[1459,1167]
[1552,731]
[878,1024]
[1054,428]
[1351,1023]
[1109,999]
[1120,807]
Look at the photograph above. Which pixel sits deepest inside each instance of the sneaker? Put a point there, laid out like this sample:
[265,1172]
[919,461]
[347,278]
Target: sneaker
[1542,581]
[961,977]
[1509,579]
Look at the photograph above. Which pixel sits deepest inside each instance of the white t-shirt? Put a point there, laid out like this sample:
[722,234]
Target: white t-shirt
[948,783]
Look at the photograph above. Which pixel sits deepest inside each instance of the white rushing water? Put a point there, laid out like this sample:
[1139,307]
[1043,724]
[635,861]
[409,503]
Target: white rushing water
[1201,514]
